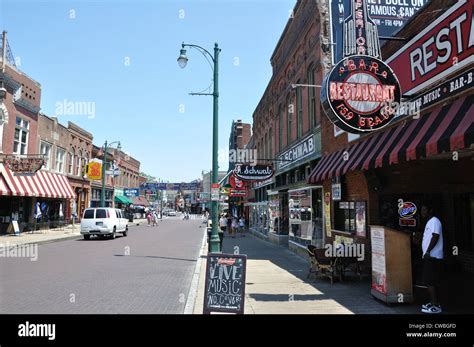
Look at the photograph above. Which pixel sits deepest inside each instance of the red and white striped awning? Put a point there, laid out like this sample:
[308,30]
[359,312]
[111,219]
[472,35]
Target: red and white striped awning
[41,184]
[445,129]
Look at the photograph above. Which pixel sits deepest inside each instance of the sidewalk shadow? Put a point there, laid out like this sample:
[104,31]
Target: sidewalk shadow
[352,294]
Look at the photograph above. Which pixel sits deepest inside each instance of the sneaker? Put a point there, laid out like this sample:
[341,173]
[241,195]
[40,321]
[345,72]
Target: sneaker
[426,306]
[432,309]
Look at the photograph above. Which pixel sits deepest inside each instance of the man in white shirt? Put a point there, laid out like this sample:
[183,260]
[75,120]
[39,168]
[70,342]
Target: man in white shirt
[432,247]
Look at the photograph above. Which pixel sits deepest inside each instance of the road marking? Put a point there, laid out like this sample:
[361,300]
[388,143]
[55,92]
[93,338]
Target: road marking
[192,294]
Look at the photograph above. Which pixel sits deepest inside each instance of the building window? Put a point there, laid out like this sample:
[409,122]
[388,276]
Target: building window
[289,115]
[71,163]
[265,147]
[20,142]
[45,150]
[299,118]
[84,163]
[311,99]
[270,144]
[60,159]
[345,216]
[280,133]
[78,163]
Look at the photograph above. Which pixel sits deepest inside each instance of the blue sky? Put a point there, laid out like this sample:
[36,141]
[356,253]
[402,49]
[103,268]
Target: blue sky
[120,56]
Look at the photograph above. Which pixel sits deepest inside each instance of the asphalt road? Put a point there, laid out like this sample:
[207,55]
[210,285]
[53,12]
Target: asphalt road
[149,271]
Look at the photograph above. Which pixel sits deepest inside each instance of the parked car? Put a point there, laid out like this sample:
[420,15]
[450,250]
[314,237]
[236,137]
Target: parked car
[102,221]
[171,213]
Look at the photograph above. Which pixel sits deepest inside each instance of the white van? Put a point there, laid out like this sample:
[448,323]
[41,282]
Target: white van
[103,221]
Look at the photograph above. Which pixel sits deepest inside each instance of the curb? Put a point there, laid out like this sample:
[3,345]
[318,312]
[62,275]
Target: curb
[40,242]
[192,294]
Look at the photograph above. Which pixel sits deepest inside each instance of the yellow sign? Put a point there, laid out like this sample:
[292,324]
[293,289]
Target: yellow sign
[94,171]
[327,212]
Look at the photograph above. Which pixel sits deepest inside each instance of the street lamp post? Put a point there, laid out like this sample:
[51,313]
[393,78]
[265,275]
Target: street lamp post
[182,61]
[104,164]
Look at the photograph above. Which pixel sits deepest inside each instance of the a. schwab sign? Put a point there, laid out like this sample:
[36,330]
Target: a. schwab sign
[131,192]
[388,15]
[299,151]
[441,48]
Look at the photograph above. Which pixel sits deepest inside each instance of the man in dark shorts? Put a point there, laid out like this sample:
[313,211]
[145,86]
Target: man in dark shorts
[432,247]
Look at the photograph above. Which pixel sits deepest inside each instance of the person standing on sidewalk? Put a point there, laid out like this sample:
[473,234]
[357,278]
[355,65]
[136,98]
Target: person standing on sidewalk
[432,247]
[223,223]
[242,225]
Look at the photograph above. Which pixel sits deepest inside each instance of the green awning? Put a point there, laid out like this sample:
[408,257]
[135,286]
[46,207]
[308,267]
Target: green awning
[122,199]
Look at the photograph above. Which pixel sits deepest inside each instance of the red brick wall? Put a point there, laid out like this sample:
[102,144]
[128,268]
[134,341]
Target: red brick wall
[297,50]
[9,129]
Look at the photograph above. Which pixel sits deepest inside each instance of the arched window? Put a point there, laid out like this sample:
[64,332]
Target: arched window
[311,99]
[70,169]
[299,110]
[270,144]
[78,163]
[265,147]
[281,121]
[289,119]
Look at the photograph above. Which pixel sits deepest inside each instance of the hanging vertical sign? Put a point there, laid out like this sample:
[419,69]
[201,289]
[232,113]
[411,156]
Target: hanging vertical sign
[327,213]
[361,92]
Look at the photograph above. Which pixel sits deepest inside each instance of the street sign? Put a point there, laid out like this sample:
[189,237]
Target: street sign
[215,192]
[225,283]
[131,192]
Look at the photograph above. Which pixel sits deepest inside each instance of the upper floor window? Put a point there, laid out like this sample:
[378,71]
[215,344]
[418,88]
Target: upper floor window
[20,141]
[299,109]
[60,159]
[289,115]
[45,150]
[280,128]
[78,163]
[71,163]
[311,99]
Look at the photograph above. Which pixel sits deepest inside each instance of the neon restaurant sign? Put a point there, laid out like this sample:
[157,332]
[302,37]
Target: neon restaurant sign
[360,92]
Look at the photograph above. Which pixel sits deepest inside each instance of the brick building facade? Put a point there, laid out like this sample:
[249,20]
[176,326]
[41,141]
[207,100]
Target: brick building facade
[287,130]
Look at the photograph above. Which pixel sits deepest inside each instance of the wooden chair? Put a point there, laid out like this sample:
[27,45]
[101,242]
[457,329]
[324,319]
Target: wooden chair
[322,265]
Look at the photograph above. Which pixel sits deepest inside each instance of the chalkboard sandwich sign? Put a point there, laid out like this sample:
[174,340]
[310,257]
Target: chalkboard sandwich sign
[225,283]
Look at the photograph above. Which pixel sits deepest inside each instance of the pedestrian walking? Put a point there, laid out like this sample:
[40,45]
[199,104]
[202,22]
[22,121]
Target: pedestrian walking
[223,223]
[234,226]
[229,225]
[148,217]
[432,248]
[155,218]
[242,225]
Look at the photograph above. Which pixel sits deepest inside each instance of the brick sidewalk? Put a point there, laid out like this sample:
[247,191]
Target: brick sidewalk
[49,235]
[276,284]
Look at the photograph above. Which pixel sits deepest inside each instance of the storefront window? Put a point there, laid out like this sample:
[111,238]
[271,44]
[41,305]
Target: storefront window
[345,216]
[274,212]
[300,213]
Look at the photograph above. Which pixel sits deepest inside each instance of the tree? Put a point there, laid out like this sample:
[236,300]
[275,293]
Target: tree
[149,178]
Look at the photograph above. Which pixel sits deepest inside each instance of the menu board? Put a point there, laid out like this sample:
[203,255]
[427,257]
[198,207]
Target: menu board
[379,274]
[225,283]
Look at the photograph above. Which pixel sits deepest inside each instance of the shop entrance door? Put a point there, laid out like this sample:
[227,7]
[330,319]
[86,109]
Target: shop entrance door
[317,206]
